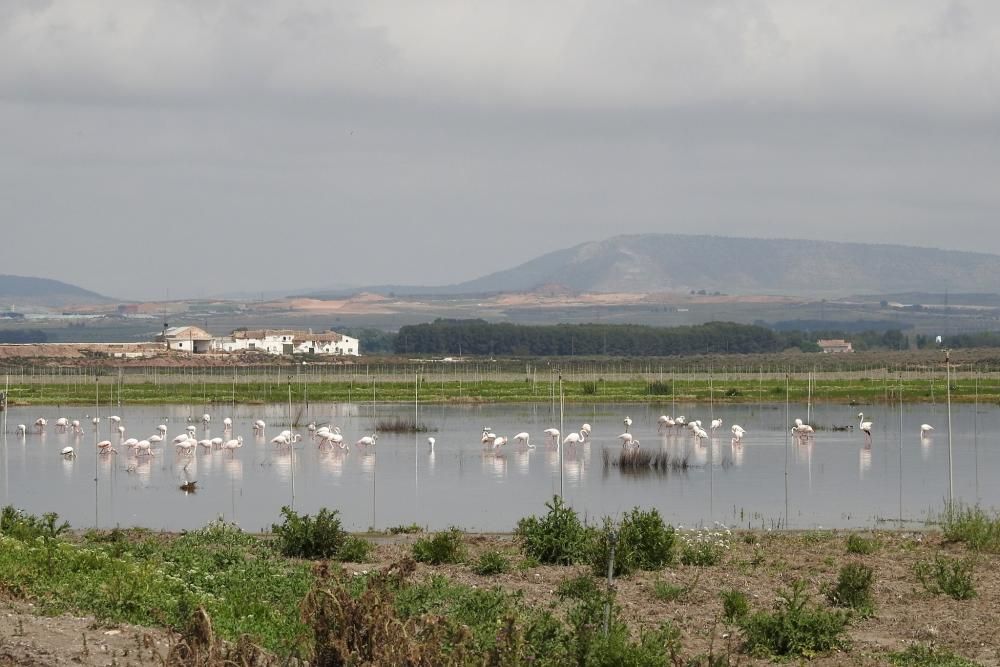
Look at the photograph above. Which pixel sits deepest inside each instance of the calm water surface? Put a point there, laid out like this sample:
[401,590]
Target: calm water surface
[834,482]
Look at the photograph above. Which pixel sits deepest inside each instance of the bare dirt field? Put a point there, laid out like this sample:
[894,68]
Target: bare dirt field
[759,565]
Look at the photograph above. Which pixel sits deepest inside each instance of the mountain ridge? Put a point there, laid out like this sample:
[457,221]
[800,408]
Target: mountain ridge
[736,265]
[29,290]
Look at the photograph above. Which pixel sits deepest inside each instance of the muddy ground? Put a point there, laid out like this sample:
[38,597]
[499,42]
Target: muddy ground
[905,613]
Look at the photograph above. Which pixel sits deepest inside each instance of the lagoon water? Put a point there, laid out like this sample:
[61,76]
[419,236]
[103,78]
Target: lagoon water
[770,481]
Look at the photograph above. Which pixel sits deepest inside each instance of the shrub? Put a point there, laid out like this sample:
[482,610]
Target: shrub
[577,588]
[659,388]
[735,605]
[559,538]
[861,545]
[307,537]
[354,550]
[928,656]
[588,388]
[445,547]
[704,547]
[491,562]
[643,541]
[947,575]
[26,527]
[971,525]
[854,589]
[405,530]
[795,627]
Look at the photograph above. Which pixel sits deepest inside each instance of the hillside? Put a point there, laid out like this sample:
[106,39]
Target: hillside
[22,290]
[673,262]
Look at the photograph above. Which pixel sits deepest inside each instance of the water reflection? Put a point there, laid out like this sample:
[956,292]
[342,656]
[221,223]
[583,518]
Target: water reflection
[926,443]
[516,480]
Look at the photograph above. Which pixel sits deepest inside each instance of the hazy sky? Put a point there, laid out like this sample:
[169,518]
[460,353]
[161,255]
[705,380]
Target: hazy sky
[155,148]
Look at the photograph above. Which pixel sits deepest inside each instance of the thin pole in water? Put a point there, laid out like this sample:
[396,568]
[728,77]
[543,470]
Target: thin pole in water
[901,449]
[951,468]
[561,438]
[786,451]
[975,434]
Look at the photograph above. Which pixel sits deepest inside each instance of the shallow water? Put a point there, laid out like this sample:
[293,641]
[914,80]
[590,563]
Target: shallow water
[835,481]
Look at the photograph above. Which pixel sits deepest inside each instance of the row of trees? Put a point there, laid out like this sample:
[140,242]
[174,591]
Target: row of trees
[21,336]
[478,337]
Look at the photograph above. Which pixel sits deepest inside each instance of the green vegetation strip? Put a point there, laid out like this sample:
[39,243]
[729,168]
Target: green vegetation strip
[824,389]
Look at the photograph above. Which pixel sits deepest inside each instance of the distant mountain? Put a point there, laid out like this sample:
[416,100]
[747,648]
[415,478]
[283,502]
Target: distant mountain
[673,262]
[22,290]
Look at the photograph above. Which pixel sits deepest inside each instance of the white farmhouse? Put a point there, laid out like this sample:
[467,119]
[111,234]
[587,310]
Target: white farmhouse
[187,339]
[288,341]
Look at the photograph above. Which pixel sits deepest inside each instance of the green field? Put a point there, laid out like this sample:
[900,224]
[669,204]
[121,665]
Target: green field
[825,388]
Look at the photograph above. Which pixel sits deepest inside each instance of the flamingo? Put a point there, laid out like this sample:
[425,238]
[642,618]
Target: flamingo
[865,426]
[131,442]
[312,427]
[187,447]
[331,439]
[259,425]
[207,444]
[585,429]
[488,435]
[95,421]
[573,439]
[216,442]
[233,445]
[104,446]
[162,428]
[183,437]
[68,453]
[205,418]
[525,438]
[367,440]
[114,419]
[192,429]
[699,432]
[628,422]
[121,432]
[227,424]
[21,430]
[431,441]
[154,439]
[663,422]
[925,430]
[499,442]
[716,423]
[40,423]
[552,434]
[75,424]
[626,439]
[62,423]
[738,432]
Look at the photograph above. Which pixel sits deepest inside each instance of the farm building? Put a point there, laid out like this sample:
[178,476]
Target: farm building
[834,346]
[288,341]
[187,339]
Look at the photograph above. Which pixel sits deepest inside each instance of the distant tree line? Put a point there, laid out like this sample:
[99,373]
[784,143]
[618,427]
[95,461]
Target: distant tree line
[20,336]
[478,337]
[980,339]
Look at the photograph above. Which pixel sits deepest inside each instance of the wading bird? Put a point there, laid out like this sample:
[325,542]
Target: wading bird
[925,430]
[367,440]
[68,453]
[865,426]
[628,422]
[738,432]
[524,438]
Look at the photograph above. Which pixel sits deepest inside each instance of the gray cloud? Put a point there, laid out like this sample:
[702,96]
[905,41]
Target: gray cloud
[149,147]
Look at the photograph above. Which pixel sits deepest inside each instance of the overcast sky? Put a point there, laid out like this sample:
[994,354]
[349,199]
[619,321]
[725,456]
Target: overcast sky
[169,148]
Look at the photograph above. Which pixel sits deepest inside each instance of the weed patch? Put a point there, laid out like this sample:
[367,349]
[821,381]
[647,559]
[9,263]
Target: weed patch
[853,589]
[951,576]
[444,547]
[795,628]
[558,538]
